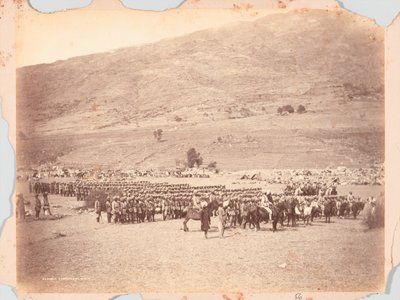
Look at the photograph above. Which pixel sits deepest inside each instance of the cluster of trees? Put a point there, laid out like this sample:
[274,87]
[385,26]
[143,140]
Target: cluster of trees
[289,109]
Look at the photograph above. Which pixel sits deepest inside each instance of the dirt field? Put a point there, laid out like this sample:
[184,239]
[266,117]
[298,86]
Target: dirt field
[159,256]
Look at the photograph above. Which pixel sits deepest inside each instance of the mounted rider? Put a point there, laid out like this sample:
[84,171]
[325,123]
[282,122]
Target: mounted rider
[196,201]
[267,201]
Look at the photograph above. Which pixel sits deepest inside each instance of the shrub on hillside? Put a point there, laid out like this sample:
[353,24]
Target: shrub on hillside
[301,109]
[285,109]
[288,108]
[178,119]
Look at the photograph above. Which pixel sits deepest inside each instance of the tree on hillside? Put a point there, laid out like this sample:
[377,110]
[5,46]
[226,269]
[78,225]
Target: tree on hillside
[301,109]
[194,158]
[158,134]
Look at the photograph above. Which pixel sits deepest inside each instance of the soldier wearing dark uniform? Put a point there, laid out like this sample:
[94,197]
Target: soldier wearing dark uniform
[38,206]
[61,189]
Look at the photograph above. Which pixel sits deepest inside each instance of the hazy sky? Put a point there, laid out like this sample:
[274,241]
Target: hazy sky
[45,38]
[50,37]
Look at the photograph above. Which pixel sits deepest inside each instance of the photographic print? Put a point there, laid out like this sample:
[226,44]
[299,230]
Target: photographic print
[240,152]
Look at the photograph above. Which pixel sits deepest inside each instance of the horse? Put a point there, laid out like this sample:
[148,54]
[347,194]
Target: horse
[245,216]
[344,209]
[316,211]
[263,214]
[252,216]
[277,214]
[291,211]
[356,208]
[329,210]
[194,214]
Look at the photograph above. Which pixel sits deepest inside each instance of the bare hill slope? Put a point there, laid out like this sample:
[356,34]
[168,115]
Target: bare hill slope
[217,90]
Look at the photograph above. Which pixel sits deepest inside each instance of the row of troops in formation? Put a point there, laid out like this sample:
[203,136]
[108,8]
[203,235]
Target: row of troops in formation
[65,189]
[81,189]
[135,202]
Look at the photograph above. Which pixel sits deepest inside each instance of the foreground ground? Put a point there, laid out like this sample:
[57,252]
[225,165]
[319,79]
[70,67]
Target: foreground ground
[75,254]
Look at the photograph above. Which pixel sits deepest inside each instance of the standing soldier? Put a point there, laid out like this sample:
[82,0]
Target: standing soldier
[61,189]
[164,208]
[232,214]
[46,204]
[81,193]
[38,206]
[115,210]
[85,193]
[205,220]
[135,211]
[97,209]
[108,210]
[20,207]
[180,205]
[66,192]
[130,210]
[52,187]
[123,210]
[72,189]
[221,220]
[77,193]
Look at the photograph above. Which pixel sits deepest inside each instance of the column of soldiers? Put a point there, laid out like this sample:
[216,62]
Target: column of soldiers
[65,189]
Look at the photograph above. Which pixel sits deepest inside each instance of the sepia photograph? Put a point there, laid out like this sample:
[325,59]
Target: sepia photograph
[213,150]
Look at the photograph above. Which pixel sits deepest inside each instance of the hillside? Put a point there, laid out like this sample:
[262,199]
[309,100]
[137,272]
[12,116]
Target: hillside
[217,90]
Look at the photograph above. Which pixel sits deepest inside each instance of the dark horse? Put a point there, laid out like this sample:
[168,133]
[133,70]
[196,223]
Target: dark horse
[291,211]
[277,214]
[344,209]
[329,210]
[263,215]
[356,208]
[254,215]
[194,214]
